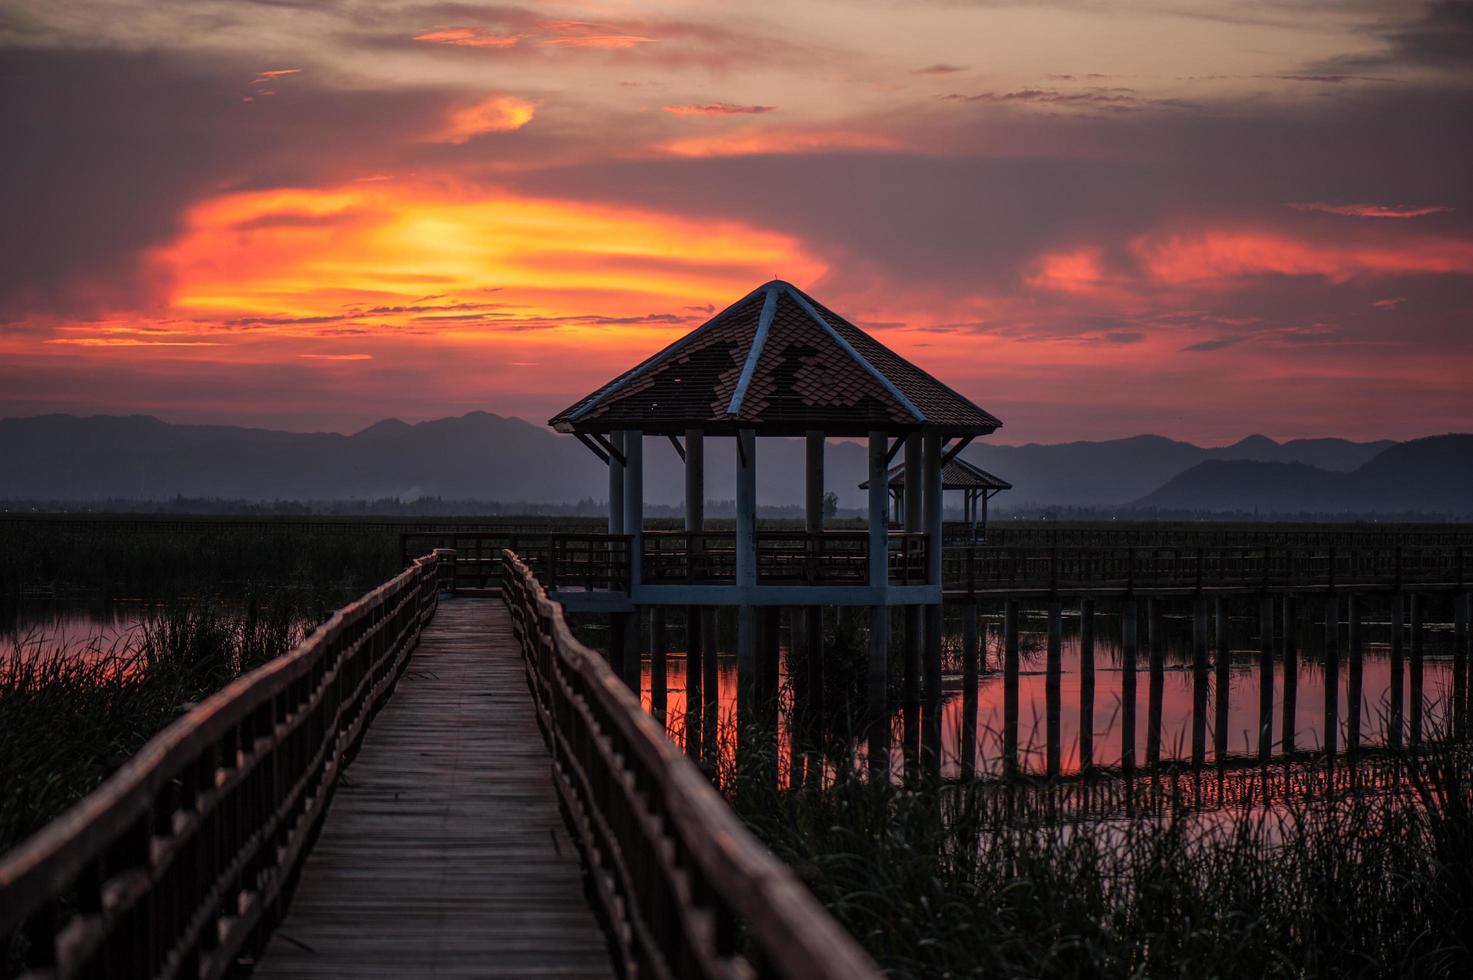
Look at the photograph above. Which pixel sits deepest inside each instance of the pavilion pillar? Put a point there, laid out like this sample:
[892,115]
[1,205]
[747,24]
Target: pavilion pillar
[695,649]
[619,650]
[879,627]
[931,462]
[634,527]
[616,486]
[746,574]
[915,640]
[812,629]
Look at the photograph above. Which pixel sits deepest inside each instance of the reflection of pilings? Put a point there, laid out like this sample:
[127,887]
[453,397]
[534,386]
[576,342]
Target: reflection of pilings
[1221,663]
[1290,646]
[914,638]
[657,663]
[1086,684]
[1355,643]
[876,690]
[710,666]
[1199,682]
[617,638]
[1010,687]
[694,699]
[1265,677]
[1394,695]
[1414,691]
[1240,783]
[971,655]
[813,658]
[1462,611]
[1332,673]
[1052,683]
[1156,627]
[1129,644]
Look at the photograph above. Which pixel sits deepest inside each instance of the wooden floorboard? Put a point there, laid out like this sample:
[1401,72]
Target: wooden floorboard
[443,853]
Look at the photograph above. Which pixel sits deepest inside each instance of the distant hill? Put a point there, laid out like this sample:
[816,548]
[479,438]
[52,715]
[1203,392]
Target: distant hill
[1118,471]
[486,457]
[1431,476]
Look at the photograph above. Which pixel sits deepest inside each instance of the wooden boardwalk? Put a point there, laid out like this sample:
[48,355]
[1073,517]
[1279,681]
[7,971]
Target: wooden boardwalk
[443,853]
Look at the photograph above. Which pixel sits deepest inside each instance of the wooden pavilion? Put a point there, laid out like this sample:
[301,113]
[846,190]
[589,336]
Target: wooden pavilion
[779,363]
[976,484]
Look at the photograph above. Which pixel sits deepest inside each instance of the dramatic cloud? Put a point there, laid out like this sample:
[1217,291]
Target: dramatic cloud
[443,206]
[719,109]
[496,114]
[1370,210]
[469,37]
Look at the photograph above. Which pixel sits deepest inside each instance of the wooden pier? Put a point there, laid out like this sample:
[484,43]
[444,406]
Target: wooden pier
[443,854]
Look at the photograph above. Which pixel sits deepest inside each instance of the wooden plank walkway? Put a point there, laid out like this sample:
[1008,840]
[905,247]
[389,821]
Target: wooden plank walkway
[443,853]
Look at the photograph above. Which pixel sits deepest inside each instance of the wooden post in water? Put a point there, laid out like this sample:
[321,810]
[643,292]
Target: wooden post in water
[634,527]
[1394,694]
[1332,674]
[1223,682]
[711,684]
[694,698]
[971,657]
[1265,677]
[1462,611]
[695,523]
[934,514]
[914,499]
[1052,684]
[1414,690]
[1010,687]
[1129,647]
[812,616]
[1290,646]
[769,652]
[879,623]
[1087,685]
[1199,681]
[657,663]
[746,579]
[1355,642]
[1157,640]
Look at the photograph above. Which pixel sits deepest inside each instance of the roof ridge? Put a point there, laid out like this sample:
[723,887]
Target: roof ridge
[623,380]
[848,348]
[754,354]
[927,374]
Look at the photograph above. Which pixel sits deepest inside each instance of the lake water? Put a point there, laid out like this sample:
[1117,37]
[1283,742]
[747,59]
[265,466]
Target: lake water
[1178,695]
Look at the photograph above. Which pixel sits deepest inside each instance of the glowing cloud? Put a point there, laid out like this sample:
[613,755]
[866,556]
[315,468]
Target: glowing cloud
[753,142]
[1224,256]
[1370,210]
[497,114]
[585,34]
[469,37]
[719,109]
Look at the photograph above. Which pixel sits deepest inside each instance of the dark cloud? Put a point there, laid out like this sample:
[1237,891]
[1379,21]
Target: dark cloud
[939,69]
[1441,37]
[1217,343]
[106,150]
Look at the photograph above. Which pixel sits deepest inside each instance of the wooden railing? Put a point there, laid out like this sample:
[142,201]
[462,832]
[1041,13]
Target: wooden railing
[783,557]
[566,560]
[181,861]
[1011,569]
[689,891]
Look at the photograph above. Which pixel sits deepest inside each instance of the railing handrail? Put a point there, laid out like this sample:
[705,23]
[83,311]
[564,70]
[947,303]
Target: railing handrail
[795,937]
[40,869]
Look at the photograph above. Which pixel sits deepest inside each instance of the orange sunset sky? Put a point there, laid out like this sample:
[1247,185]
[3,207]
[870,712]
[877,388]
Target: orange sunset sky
[1095,219]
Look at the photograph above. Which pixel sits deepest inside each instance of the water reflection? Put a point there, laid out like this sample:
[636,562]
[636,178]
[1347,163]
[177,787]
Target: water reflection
[1202,712]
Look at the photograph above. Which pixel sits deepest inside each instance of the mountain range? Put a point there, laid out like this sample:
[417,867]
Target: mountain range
[485,457]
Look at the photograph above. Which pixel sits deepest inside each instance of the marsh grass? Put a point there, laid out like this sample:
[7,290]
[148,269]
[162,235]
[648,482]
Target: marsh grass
[71,713]
[940,882]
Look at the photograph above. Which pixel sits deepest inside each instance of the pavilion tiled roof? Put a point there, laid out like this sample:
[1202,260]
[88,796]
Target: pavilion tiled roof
[780,363]
[957,474]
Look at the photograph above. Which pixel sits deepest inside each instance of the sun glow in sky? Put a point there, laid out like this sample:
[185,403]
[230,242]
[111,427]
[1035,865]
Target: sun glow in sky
[1095,220]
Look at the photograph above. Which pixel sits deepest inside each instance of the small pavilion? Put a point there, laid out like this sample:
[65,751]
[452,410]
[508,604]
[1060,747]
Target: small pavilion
[976,484]
[779,363]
